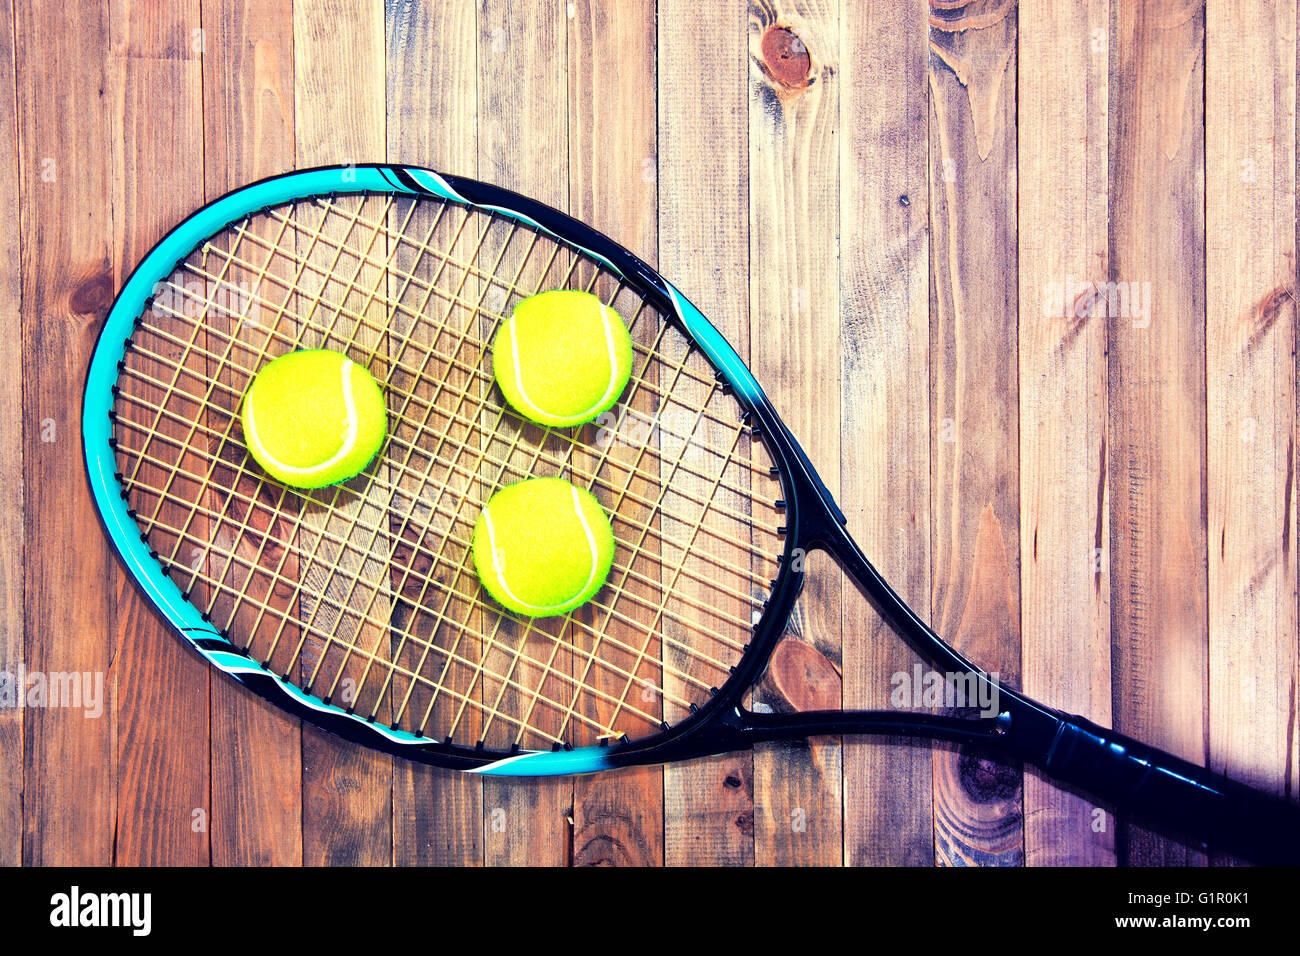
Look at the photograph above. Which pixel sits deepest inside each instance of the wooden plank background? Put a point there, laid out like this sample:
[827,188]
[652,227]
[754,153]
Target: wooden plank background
[915,222]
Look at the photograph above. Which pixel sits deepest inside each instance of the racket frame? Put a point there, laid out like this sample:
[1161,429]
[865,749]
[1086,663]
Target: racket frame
[1182,796]
[688,737]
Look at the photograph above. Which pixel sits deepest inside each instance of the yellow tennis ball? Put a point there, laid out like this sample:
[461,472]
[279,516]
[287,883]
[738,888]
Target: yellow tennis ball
[313,418]
[562,358]
[543,546]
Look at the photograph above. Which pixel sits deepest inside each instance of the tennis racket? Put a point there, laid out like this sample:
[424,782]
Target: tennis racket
[357,608]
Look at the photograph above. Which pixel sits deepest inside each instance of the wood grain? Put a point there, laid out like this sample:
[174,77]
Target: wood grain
[704,246]
[1157,459]
[618,819]
[248,133]
[885,405]
[434,46]
[1250,283]
[1064,533]
[69,796]
[339,77]
[974,388]
[12,551]
[794,88]
[522,100]
[162,726]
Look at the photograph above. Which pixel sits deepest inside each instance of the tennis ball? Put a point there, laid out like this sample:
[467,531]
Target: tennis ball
[562,358]
[313,418]
[543,546]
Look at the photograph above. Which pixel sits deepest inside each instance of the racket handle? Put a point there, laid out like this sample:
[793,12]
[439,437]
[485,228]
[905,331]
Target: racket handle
[1173,792]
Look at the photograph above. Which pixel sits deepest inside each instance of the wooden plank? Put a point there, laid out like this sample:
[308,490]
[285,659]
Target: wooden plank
[339,78]
[522,131]
[162,715]
[11,462]
[67,287]
[885,402]
[794,118]
[617,818]
[248,133]
[974,402]
[437,814]
[1065,580]
[1293,780]
[704,249]
[1250,282]
[1156,461]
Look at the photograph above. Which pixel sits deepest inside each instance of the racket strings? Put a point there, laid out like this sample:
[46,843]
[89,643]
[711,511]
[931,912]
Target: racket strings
[565,464]
[473,368]
[476,369]
[711,583]
[637,380]
[342,542]
[739,460]
[361,618]
[554,683]
[311,680]
[486,275]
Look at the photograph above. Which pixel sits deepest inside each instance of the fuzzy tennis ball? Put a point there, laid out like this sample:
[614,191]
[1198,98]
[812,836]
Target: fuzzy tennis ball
[313,418]
[543,546]
[562,358]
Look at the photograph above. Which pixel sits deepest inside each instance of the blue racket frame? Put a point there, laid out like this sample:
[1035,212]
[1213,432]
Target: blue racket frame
[188,621]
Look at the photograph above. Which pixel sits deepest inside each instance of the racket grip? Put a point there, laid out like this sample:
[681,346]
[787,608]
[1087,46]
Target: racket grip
[1173,792]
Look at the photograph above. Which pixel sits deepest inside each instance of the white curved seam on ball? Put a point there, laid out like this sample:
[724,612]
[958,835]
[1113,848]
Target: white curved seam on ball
[580,417]
[349,439]
[501,577]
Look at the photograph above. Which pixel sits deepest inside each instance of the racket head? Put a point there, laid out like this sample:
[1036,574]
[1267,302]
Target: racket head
[149,547]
